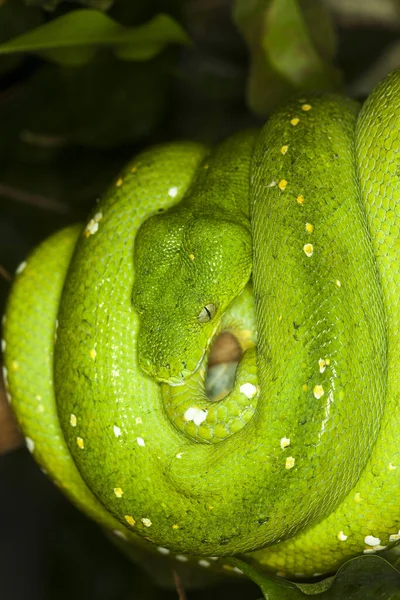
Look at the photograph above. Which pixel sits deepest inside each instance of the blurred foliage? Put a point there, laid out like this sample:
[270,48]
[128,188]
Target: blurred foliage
[292,46]
[52,4]
[72,39]
[361,578]
[85,84]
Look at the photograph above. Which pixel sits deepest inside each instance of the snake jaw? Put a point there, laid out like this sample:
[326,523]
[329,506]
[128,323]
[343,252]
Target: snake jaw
[163,374]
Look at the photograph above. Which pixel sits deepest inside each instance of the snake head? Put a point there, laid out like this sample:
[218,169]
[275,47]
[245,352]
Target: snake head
[188,269]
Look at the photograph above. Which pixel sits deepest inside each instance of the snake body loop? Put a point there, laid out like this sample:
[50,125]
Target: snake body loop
[299,464]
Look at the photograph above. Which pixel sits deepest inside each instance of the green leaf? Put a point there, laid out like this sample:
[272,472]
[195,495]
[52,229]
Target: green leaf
[361,578]
[291,45]
[290,48]
[74,38]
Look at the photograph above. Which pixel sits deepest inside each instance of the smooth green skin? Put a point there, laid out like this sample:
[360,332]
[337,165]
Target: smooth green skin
[339,302]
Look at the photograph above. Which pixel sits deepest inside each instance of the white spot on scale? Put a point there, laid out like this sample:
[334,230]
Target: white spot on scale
[285,442]
[140,441]
[3,345]
[248,389]
[341,536]
[163,550]
[371,540]
[179,455]
[181,558]
[117,431]
[394,537]
[119,534]
[93,225]
[197,415]
[21,267]
[237,570]
[5,376]
[30,444]
[146,522]
[173,192]
[204,563]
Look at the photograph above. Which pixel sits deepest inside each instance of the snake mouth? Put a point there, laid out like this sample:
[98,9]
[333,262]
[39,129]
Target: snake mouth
[163,374]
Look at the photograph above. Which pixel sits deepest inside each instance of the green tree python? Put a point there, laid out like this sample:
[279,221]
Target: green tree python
[289,238]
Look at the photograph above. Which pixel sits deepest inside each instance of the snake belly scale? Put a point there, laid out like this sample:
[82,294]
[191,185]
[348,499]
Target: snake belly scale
[298,465]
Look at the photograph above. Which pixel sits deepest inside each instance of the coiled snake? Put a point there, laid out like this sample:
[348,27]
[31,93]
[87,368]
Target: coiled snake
[289,237]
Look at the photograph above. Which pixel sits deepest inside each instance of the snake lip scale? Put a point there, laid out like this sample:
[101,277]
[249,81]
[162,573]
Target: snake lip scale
[288,237]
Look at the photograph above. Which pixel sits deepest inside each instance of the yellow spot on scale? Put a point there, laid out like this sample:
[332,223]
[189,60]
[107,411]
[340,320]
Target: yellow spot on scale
[146,522]
[282,184]
[289,464]
[284,149]
[392,467]
[129,519]
[318,391]
[280,318]
[306,107]
[309,227]
[294,121]
[73,420]
[175,526]
[92,354]
[357,498]
[304,387]
[341,536]
[210,508]
[80,443]
[322,364]
[138,420]
[205,166]
[120,182]
[118,492]
[134,169]
[328,361]
[191,256]
[308,249]
[300,199]
[14,365]
[337,283]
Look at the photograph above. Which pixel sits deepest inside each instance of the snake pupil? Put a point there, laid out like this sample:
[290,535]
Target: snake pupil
[207,313]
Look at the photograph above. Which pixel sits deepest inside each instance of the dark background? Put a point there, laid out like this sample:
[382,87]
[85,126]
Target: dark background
[64,134]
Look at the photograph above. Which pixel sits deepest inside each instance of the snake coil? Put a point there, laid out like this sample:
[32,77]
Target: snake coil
[299,465]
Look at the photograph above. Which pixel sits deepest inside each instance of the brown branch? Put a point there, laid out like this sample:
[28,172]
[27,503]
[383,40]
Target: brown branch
[36,200]
[179,586]
[5,274]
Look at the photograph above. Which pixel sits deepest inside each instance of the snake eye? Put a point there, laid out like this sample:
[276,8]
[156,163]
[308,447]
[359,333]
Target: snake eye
[207,313]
